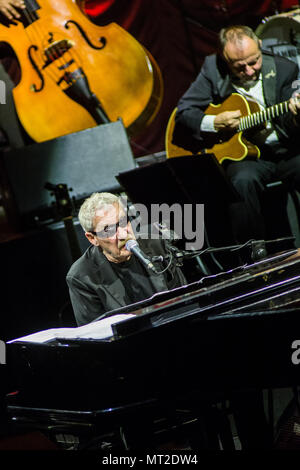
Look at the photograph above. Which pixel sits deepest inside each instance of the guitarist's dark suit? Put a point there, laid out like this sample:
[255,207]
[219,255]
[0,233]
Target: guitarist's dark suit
[213,85]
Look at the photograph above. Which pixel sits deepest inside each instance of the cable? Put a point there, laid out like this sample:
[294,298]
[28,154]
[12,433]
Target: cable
[169,263]
[211,254]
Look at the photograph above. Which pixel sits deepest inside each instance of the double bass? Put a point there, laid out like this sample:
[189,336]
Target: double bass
[76,75]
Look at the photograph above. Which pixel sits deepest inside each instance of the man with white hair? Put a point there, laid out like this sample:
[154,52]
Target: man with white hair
[108,276]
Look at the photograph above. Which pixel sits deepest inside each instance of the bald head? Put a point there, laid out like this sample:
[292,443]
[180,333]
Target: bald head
[242,52]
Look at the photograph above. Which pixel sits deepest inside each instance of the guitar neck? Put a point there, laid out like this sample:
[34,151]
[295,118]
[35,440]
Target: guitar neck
[260,117]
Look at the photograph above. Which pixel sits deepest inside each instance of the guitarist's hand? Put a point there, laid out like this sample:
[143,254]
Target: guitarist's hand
[294,107]
[8,8]
[228,120]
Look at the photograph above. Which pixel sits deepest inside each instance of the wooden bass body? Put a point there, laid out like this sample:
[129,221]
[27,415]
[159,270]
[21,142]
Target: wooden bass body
[55,44]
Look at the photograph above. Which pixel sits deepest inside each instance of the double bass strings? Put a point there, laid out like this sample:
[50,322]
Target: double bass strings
[54,56]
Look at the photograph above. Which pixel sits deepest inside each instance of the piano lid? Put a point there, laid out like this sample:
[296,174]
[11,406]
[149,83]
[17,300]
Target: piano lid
[267,284]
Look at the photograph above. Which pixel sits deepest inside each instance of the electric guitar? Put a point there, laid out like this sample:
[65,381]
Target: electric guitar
[231,145]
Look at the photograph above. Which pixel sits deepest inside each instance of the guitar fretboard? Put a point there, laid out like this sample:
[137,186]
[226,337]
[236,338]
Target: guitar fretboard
[255,119]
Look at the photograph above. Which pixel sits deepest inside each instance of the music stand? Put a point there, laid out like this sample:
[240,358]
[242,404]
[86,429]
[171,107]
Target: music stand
[185,180]
[198,179]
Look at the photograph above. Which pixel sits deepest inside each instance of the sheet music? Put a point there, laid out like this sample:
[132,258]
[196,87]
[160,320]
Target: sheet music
[97,330]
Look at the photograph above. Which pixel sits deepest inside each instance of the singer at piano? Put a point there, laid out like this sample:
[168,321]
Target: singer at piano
[215,113]
[109,275]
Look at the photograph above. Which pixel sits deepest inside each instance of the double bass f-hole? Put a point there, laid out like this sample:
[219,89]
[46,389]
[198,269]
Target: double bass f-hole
[64,60]
[102,39]
[67,73]
[34,87]
[56,49]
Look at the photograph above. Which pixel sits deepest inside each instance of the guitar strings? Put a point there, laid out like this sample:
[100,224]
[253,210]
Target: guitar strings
[262,116]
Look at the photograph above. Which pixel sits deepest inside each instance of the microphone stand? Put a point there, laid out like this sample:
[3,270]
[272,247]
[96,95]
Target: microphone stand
[257,246]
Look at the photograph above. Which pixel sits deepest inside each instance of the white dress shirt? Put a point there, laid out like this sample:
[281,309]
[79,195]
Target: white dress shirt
[255,92]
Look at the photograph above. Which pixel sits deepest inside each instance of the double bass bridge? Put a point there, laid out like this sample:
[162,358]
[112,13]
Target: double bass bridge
[56,55]
[56,50]
[63,54]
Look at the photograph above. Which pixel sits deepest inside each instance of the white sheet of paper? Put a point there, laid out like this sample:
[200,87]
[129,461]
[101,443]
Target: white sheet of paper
[97,330]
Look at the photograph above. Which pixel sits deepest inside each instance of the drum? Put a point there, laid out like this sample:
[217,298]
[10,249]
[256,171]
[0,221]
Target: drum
[281,34]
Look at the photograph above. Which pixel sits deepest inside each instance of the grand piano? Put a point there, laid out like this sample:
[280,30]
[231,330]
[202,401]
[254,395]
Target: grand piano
[182,349]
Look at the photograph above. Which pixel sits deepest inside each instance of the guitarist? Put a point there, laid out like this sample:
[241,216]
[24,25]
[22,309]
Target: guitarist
[242,67]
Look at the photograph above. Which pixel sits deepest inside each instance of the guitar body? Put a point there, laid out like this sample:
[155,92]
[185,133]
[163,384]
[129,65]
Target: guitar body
[229,146]
[236,146]
[123,76]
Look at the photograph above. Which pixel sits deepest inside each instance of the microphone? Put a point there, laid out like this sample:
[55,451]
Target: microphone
[133,246]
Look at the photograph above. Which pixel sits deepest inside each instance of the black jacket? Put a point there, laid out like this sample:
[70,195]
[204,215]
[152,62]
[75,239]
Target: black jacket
[213,85]
[95,288]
